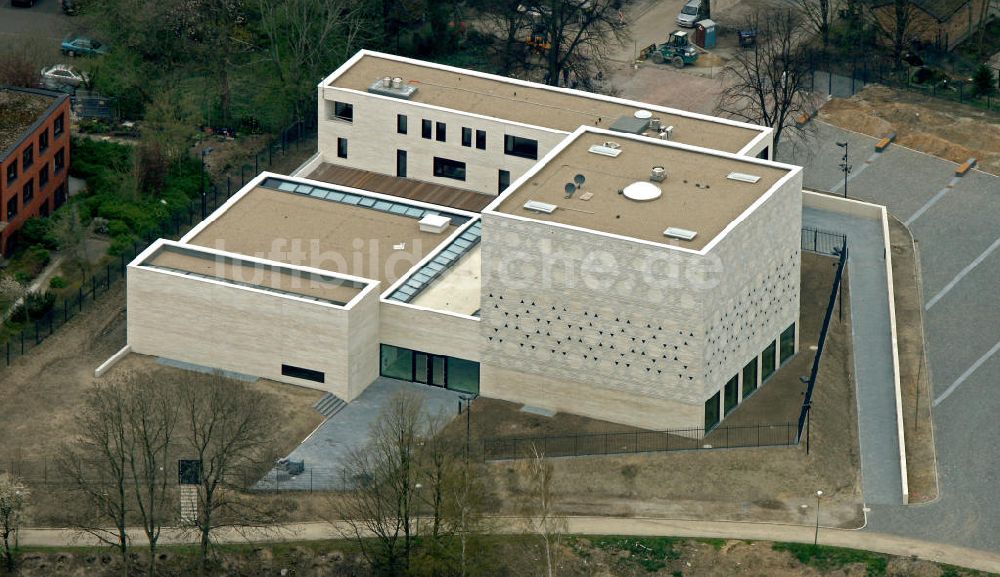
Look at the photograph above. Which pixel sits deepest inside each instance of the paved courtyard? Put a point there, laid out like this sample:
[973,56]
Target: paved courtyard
[956,222]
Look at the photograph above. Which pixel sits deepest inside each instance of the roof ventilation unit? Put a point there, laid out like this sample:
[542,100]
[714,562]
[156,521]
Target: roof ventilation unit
[540,206]
[658,174]
[680,233]
[666,132]
[611,149]
[394,87]
[742,177]
[434,223]
[642,191]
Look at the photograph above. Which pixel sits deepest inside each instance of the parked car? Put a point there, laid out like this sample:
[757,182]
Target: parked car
[81,45]
[63,77]
[692,13]
[22,3]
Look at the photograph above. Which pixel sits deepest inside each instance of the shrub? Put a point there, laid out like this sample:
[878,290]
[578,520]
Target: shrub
[40,256]
[38,231]
[57,282]
[38,304]
[983,82]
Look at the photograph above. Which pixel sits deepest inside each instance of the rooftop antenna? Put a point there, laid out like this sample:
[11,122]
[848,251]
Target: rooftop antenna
[570,189]
[579,180]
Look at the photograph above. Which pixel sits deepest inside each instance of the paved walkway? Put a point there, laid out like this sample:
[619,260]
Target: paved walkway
[881,478]
[326,448]
[866,540]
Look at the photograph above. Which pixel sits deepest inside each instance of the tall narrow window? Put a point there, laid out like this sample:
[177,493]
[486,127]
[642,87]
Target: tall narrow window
[446,168]
[28,192]
[732,396]
[43,140]
[481,139]
[767,362]
[343,111]
[750,377]
[401,123]
[442,132]
[466,136]
[58,124]
[787,343]
[425,128]
[12,208]
[43,176]
[712,412]
[28,156]
[12,171]
[523,147]
[342,147]
[503,180]
[401,163]
[59,161]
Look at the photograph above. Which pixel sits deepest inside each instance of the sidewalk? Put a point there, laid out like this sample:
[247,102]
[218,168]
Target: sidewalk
[318,531]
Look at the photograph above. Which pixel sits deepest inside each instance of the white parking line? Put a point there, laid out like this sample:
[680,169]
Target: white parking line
[934,200]
[968,372]
[961,275]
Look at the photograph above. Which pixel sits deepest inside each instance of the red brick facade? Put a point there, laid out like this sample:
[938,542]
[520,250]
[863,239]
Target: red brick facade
[33,170]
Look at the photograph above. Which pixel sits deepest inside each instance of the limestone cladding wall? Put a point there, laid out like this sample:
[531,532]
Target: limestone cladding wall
[578,398]
[430,331]
[578,306]
[757,296]
[372,141]
[363,330]
[249,332]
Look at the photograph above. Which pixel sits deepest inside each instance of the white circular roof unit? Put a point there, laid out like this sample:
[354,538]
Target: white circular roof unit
[643,114]
[642,191]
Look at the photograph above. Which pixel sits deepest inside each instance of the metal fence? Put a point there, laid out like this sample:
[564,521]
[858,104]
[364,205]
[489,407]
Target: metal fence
[823,241]
[38,329]
[627,442]
[835,294]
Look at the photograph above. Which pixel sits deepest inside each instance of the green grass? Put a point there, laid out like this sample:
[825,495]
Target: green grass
[825,558]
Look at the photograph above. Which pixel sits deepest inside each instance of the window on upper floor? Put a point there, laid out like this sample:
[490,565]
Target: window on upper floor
[343,111]
[28,157]
[342,148]
[59,161]
[446,168]
[43,140]
[466,136]
[441,130]
[523,147]
[12,208]
[12,171]
[43,176]
[58,124]
[425,128]
[401,123]
[28,192]
[481,139]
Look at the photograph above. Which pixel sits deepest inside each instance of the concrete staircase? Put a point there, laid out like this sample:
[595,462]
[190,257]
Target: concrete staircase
[329,405]
[189,504]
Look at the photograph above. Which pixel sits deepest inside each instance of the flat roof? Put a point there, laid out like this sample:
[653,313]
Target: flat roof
[20,108]
[696,194]
[327,228]
[532,103]
[458,289]
[273,278]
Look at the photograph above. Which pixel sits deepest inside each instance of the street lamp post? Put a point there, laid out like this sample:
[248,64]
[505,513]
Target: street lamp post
[204,194]
[816,535]
[844,166]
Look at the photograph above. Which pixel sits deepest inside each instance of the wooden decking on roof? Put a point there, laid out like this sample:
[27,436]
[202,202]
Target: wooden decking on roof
[402,187]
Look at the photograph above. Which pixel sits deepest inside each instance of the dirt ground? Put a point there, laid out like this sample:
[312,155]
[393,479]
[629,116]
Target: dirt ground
[510,556]
[921,467]
[930,125]
[764,484]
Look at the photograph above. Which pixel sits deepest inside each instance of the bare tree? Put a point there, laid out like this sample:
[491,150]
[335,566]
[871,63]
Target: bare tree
[897,23]
[382,478]
[817,14]
[229,428]
[511,24]
[539,506]
[14,496]
[20,63]
[96,464]
[767,84]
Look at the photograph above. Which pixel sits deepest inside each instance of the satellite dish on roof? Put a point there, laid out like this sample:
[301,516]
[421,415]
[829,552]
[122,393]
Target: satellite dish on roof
[570,189]
[579,180]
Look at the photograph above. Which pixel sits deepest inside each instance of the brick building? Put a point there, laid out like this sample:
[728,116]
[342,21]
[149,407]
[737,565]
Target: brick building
[34,157]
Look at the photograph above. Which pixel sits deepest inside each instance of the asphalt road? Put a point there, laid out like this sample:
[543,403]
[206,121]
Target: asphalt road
[956,223]
[41,27]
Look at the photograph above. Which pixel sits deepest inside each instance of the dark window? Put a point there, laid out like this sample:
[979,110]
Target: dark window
[59,162]
[523,147]
[43,176]
[712,411]
[763,154]
[466,136]
[425,128]
[396,363]
[60,195]
[401,123]
[28,157]
[787,343]
[442,131]
[503,181]
[28,192]
[12,171]
[750,378]
[732,390]
[57,125]
[300,373]
[343,111]
[342,147]
[12,208]
[463,375]
[446,168]
[401,163]
[767,362]
[481,139]
[43,140]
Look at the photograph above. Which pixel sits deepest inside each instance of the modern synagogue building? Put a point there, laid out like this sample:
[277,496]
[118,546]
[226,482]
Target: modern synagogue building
[564,250]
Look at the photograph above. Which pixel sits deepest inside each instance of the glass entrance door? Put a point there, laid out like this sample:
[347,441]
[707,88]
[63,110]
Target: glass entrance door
[430,369]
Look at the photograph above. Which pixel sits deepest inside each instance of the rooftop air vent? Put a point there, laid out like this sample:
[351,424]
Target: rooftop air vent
[666,132]
[540,206]
[630,125]
[393,86]
[607,149]
[680,233]
[642,114]
[435,223]
[658,174]
[642,191]
[742,177]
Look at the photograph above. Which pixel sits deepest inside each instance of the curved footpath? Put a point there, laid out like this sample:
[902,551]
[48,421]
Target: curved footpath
[645,526]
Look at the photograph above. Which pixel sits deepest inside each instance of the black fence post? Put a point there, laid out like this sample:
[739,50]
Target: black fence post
[37,336]
[229,186]
[22,342]
[79,298]
[65,311]
[108,283]
[50,315]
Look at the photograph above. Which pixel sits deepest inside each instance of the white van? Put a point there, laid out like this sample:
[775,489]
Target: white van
[692,12]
